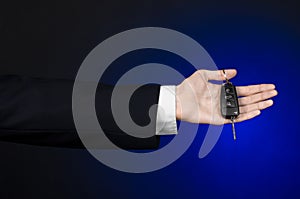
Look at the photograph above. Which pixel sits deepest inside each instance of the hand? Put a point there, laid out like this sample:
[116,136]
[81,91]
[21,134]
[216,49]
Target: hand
[198,101]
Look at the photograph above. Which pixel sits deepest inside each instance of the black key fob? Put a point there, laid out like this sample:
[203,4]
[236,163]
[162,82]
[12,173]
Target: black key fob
[229,101]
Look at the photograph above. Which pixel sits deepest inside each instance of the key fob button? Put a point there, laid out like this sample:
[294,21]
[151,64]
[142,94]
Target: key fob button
[230,104]
[228,97]
[228,90]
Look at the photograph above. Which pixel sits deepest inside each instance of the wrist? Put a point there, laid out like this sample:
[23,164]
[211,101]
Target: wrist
[178,104]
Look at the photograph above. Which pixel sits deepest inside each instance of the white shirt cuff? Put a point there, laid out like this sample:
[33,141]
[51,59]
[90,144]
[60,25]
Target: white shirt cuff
[166,111]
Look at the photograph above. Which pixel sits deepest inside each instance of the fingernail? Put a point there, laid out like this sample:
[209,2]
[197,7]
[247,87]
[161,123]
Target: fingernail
[272,86]
[270,102]
[274,92]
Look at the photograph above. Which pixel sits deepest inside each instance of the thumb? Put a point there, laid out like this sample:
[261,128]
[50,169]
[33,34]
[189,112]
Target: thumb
[219,74]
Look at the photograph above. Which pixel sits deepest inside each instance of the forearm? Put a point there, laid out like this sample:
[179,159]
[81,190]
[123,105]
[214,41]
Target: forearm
[39,111]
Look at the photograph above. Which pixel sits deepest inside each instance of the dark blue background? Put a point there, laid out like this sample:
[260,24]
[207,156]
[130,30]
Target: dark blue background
[260,39]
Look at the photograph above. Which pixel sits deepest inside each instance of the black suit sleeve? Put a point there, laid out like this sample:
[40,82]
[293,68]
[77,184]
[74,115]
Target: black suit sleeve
[38,111]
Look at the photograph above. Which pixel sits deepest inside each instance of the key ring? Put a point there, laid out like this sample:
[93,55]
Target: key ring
[224,73]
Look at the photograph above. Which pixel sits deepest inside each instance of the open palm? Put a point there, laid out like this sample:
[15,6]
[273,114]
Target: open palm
[198,100]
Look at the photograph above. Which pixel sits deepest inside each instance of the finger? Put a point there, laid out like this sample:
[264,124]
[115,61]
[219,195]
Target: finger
[219,75]
[257,106]
[249,90]
[247,116]
[257,97]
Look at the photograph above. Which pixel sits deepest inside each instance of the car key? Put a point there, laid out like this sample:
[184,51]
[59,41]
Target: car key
[229,103]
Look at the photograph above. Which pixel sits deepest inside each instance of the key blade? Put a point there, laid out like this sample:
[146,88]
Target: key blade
[233,130]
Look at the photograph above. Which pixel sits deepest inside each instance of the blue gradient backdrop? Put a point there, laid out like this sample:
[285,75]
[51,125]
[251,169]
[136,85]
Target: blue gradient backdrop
[264,162]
